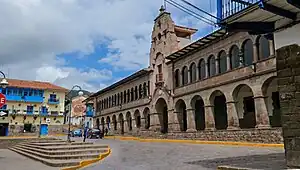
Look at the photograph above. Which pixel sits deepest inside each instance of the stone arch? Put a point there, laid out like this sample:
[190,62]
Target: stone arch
[114,121]
[193,72]
[244,104]
[222,56]
[121,121]
[129,120]
[234,56]
[146,114]
[98,123]
[180,108]
[263,47]
[218,101]
[177,78]
[202,69]
[211,65]
[161,108]
[271,94]
[108,122]
[102,123]
[137,117]
[247,49]
[197,103]
[184,75]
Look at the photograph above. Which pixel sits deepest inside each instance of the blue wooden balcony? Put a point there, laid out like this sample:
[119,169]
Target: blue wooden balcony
[32,99]
[53,101]
[227,8]
[89,113]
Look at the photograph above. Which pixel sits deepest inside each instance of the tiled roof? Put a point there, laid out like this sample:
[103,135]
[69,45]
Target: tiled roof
[34,85]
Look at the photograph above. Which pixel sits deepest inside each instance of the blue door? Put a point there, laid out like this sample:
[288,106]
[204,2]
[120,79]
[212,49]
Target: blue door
[44,129]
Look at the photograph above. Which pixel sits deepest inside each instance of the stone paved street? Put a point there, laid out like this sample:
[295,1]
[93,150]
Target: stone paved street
[10,160]
[131,155]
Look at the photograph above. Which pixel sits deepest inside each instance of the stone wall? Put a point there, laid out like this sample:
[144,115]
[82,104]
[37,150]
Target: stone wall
[17,130]
[273,135]
[288,72]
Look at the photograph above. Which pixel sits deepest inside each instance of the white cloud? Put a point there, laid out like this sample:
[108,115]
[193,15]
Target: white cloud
[34,32]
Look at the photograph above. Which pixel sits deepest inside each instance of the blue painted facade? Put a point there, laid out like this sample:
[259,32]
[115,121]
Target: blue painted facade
[23,94]
[227,8]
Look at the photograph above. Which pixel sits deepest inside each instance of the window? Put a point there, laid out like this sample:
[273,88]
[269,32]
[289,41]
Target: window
[41,93]
[44,110]
[248,52]
[177,78]
[211,66]
[3,91]
[185,74]
[136,93]
[202,69]
[222,62]
[140,91]
[53,97]
[30,92]
[9,92]
[20,92]
[263,48]
[193,71]
[29,109]
[234,57]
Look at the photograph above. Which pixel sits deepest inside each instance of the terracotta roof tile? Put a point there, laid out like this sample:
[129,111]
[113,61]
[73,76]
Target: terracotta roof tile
[34,85]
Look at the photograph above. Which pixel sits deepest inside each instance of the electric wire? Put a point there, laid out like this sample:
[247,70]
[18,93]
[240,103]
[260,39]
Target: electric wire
[190,4]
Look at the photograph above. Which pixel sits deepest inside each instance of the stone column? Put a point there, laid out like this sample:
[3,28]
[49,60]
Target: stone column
[154,122]
[261,113]
[288,68]
[217,65]
[209,118]
[191,124]
[255,52]
[206,70]
[174,124]
[272,50]
[232,116]
[143,124]
[126,129]
[228,62]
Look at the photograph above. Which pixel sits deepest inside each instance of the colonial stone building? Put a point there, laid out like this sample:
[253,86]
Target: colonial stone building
[220,87]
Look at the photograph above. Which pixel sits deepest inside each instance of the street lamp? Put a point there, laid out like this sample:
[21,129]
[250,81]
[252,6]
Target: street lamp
[3,82]
[80,93]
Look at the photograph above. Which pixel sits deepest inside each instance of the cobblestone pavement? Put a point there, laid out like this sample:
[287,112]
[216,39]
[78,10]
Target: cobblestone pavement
[10,160]
[132,155]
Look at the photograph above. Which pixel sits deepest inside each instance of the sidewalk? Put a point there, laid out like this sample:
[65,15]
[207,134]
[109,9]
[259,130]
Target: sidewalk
[10,160]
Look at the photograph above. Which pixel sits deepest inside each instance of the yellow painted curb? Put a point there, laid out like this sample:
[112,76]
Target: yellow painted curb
[199,142]
[88,162]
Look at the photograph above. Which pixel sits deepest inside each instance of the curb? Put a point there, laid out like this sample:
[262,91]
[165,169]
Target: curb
[231,168]
[85,163]
[197,142]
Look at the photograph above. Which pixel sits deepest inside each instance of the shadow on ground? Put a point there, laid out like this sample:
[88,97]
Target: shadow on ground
[275,161]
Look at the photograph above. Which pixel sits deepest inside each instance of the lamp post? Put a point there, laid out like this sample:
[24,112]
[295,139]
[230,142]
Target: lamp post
[80,93]
[3,82]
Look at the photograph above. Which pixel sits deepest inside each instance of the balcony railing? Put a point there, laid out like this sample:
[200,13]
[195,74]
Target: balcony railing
[34,99]
[53,101]
[227,8]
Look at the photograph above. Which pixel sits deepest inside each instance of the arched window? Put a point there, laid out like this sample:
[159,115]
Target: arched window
[115,100]
[247,52]
[140,91]
[145,89]
[263,47]
[211,66]
[222,62]
[193,70]
[121,97]
[132,94]
[118,99]
[109,102]
[184,74]
[201,68]
[128,95]
[176,77]
[234,57]
[125,96]
[136,93]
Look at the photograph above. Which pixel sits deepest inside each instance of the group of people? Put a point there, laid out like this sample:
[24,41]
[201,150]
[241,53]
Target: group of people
[101,134]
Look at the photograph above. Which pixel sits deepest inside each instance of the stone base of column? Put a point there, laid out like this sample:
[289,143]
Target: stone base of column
[155,128]
[191,130]
[233,128]
[262,126]
[210,129]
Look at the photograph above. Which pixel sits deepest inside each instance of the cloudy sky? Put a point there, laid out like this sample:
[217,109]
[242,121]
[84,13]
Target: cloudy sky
[92,43]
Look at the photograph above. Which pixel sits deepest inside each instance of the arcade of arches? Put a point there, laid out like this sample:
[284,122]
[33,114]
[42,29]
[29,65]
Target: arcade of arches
[244,108]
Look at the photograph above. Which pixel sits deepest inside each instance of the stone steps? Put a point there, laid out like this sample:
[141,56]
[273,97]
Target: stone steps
[60,153]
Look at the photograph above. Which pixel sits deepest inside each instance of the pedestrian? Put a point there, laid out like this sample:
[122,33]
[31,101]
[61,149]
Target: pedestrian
[106,131]
[85,131]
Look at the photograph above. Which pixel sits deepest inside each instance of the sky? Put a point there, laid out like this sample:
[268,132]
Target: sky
[90,43]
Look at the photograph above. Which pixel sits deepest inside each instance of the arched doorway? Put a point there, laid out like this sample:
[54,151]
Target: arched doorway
[137,118]
[129,121]
[108,122]
[121,121]
[181,114]
[245,107]
[146,114]
[271,94]
[197,104]
[97,123]
[218,100]
[102,123]
[114,120]
[162,110]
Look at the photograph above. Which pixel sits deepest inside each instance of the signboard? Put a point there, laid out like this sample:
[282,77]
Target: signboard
[4,113]
[2,100]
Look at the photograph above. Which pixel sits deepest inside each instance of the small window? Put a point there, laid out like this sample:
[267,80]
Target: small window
[159,36]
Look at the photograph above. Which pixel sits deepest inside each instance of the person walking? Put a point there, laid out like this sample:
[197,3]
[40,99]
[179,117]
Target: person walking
[85,131]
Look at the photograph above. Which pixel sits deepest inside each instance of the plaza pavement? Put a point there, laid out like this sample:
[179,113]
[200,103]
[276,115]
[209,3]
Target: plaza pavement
[134,155]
